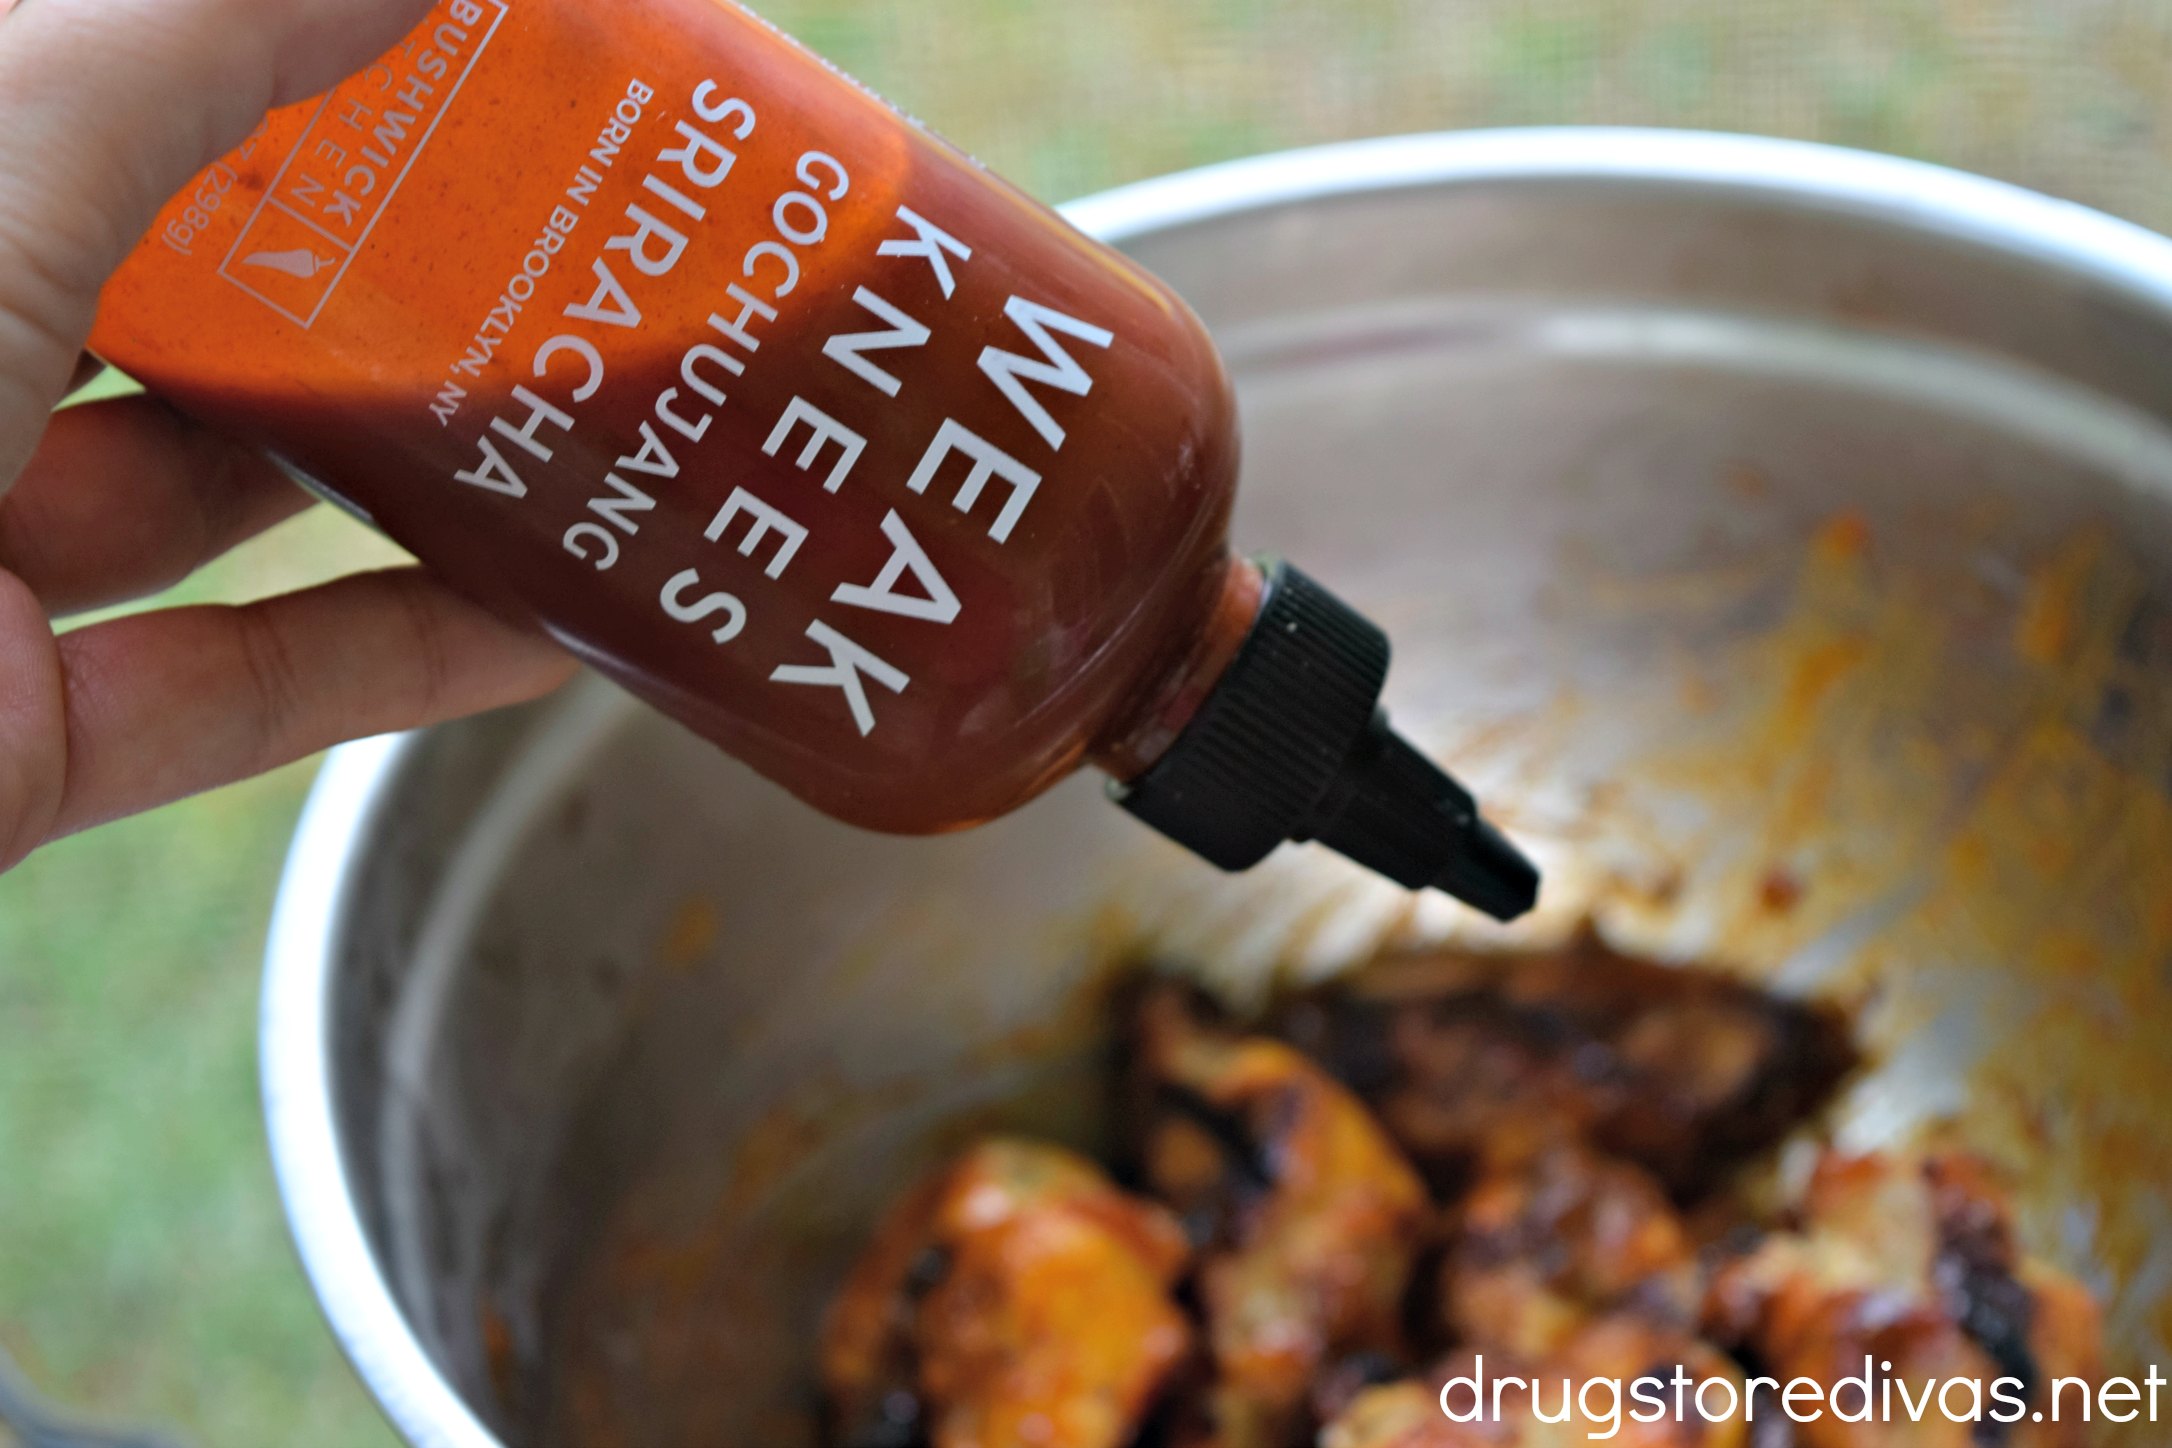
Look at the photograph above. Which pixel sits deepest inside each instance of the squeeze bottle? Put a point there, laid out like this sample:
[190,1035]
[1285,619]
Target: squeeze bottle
[647,328]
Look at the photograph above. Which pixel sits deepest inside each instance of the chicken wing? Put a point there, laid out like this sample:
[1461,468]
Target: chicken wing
[1686,1073]
[1905,1271]
[1016,1299]
[1543,1245]
[1308,1218]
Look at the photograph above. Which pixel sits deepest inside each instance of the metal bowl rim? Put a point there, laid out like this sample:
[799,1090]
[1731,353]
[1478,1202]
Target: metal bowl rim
[335,831]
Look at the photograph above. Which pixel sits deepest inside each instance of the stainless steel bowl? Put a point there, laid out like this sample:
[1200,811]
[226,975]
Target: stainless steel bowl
[1778,536]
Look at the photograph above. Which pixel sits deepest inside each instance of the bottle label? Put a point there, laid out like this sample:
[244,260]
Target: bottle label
[641,322]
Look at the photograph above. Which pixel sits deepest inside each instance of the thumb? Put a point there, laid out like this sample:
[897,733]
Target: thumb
[109,107]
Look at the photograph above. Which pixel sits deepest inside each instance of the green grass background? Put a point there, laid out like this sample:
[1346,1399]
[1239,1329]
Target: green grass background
[143,1266]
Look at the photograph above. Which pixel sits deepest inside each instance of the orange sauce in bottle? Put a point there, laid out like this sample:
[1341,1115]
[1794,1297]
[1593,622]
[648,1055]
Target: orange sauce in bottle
[647,328]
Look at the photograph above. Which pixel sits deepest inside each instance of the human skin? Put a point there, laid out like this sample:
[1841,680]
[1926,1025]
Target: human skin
[107,107]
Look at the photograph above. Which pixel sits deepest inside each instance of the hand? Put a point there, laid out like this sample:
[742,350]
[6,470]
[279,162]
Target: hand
[106,108]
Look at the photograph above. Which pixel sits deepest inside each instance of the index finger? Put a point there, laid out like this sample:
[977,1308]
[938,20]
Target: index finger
[158,706]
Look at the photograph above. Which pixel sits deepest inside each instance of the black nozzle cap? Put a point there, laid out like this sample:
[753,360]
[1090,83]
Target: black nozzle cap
[1399,814]
[1291,745]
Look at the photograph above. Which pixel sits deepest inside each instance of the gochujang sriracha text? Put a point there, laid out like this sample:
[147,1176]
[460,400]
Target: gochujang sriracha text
[647,328]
